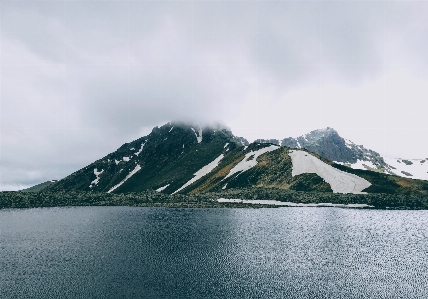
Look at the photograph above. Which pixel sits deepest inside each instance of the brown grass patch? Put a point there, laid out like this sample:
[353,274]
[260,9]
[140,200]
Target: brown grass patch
[404,183]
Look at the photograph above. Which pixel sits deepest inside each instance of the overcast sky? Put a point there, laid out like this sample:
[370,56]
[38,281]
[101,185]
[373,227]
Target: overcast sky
[80,78]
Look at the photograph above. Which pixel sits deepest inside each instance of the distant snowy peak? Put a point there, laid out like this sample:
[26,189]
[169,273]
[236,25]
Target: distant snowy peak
[327,143]
[330,145]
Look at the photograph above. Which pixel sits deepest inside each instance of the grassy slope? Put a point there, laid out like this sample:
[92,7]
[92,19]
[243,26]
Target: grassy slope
[389,184]
[273,170]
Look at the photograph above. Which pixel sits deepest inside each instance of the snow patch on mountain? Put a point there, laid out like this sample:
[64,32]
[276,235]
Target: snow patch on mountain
[340,181]
[349,143]
[141,149]
[201,172]
[162,188]
[136,169]
[97,179]
[292,204]
[171,129]
[126,159]
[250,160]
[364,165]
[198,135]
[401,167]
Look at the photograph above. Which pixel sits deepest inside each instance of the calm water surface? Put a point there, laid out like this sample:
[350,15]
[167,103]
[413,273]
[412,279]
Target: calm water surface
[125,252]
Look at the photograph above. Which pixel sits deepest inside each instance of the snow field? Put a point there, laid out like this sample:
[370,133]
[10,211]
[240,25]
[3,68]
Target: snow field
[418,170]
[340,181]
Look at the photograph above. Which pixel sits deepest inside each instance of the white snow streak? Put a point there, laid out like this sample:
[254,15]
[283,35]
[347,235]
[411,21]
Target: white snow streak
[162,188]
[201,172]
[136,169]
[171,129]
[198,137]
[141,148]
[340,181]
[97,179]
[116,161]
[292,204]
[246,164]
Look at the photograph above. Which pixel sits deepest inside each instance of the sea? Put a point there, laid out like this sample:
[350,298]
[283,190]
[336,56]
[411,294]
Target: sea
[141,252]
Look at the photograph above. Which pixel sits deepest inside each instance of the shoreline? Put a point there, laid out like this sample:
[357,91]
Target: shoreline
[234,198]
[293,204]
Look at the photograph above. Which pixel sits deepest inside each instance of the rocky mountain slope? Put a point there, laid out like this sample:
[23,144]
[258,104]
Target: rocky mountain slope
[328,144]
[181,158]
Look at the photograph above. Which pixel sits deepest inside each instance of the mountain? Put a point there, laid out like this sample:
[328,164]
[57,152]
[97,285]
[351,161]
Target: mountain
[185,158]
[165,159]
[328,144]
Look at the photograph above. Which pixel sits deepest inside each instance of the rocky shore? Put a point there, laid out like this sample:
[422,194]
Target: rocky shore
[207,200]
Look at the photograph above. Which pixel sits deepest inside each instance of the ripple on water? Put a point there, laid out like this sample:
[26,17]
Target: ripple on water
[111,252]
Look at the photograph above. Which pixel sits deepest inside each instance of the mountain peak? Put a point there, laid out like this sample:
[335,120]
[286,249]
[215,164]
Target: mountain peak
[326,142]
[322,132]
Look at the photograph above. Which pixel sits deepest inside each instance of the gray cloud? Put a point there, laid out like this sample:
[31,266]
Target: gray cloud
[85,77]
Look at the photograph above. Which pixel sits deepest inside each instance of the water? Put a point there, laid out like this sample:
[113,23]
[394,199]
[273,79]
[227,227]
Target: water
[125,252]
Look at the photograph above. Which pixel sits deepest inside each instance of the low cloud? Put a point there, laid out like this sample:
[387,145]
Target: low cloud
[85,77]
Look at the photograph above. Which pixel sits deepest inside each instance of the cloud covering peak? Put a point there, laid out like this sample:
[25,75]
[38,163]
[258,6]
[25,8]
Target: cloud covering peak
[87,76]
